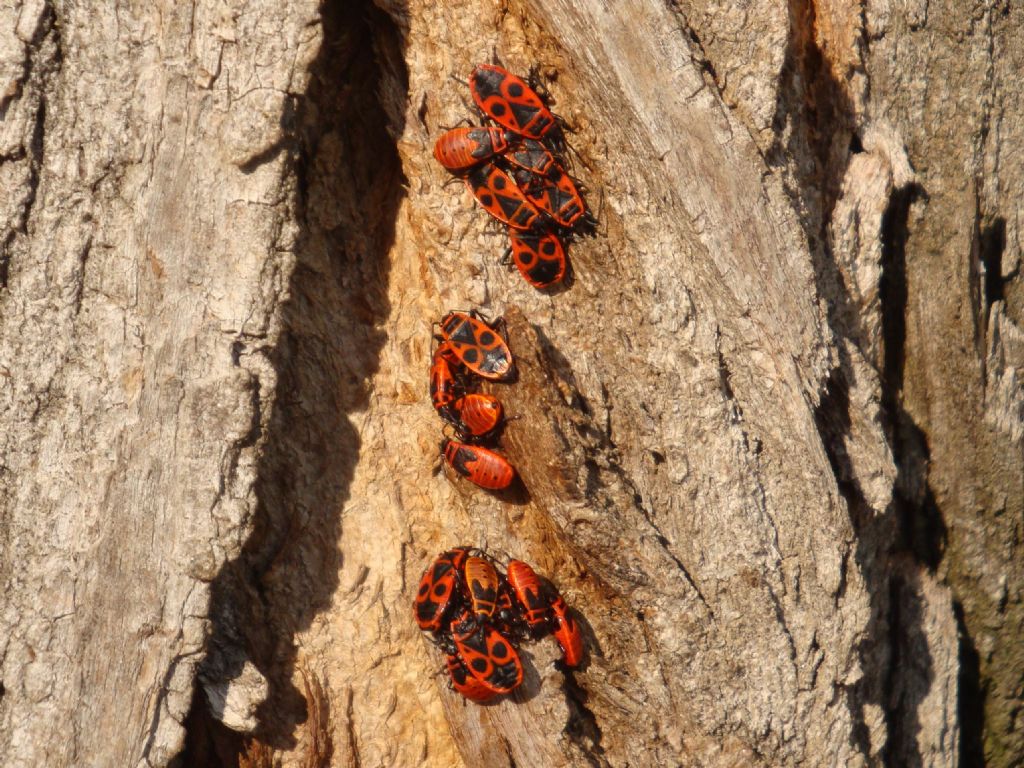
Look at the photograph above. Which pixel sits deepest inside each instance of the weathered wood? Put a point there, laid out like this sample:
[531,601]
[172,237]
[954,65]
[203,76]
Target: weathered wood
[145,253]
[769,435]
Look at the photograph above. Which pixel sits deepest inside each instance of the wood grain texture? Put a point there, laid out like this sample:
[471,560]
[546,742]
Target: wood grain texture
[142,256]
[768,433]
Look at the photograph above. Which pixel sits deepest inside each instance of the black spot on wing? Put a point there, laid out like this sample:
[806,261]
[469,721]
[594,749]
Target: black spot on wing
[426,611]
[463,334]
[499,650]
[545,272]
[487,82]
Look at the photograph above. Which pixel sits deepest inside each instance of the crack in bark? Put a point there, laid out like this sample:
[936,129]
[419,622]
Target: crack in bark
[582,728]
[507,748]
[350,731]
[83,260]
[814,105]
[161,697]
[698,54]
[41,63]
[328,348]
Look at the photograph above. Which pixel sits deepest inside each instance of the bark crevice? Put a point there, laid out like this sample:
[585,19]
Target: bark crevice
[41,64]
[347,185]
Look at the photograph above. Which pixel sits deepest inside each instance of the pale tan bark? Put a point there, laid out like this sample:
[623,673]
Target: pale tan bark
[769,435]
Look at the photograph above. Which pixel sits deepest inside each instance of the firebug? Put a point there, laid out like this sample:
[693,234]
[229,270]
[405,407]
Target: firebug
[482,583]
[540,258]
[444,389]
[477,415]
[478,345]
[498,194]
[460,149]
[479,465]
[567,633]
[437,588]
[509,101]
[530,594]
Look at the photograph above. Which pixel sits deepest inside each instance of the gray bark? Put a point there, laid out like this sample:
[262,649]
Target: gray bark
[770,436]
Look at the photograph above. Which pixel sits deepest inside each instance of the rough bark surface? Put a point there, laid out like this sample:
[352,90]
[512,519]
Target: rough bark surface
[769,435]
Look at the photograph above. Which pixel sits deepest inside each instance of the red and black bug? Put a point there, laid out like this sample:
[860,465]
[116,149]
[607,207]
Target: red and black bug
[488,655]
[554,193]
[477,345]
[477,415]
[482,584]
[473,415]
[529,592]
[444,389]
[530,155]
[567,633]
[466,684]
[478,615]
[540,258]
[460,149]
[499,195]
[509,101]
[479,465]
[508,616]
[437,588]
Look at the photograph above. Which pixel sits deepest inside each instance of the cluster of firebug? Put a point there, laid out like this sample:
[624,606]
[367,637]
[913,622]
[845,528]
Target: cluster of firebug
[477,615]
[469,348]
[515,171]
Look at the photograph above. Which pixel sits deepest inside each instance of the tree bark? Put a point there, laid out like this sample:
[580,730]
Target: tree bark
[769,434]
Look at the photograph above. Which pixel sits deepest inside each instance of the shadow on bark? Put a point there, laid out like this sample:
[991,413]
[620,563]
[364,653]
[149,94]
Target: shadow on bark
[816,127]
[971,697]
[922,529]
[349,187]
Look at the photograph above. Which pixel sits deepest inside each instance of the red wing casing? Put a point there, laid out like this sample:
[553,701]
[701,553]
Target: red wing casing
[498,194]
[509,101]
[488,655]
[465,683]
[539,258]
[478,346]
